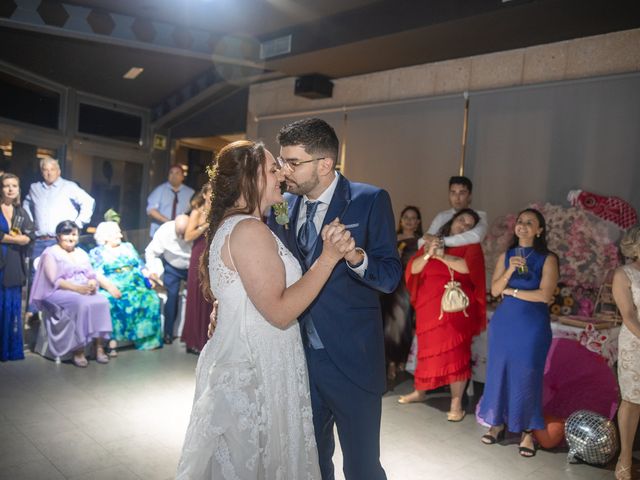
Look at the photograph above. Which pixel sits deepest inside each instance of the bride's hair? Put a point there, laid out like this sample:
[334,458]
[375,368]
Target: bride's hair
[234,175]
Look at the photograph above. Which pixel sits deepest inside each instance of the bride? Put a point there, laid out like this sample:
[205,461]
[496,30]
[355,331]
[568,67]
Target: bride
[251,415]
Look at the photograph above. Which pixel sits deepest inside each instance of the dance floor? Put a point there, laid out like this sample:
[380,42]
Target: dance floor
[126,420]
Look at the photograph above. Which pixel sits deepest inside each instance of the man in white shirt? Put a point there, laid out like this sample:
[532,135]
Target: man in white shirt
[168,255]
[52,201]
[460,189]
[168,199]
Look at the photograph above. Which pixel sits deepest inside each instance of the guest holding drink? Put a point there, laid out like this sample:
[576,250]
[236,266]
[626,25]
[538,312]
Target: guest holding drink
[397,313]
[198,309]
[519,334]
[16,232]
[626,293]
[444,338]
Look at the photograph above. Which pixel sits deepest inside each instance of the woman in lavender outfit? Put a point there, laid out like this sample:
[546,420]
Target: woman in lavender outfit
[65,288]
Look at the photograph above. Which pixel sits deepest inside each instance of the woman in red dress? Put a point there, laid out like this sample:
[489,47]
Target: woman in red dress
[444,339]
[198,309]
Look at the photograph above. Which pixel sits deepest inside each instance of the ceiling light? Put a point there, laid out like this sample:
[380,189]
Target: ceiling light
[133,73]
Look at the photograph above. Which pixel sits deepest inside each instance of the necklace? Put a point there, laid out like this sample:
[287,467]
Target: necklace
[528,254]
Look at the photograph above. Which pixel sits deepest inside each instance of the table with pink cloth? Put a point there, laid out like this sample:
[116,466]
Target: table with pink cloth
[603,342]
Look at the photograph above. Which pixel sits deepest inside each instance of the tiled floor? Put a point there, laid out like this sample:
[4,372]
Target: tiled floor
[126,420]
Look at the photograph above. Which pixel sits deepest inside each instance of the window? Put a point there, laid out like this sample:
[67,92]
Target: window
[27,102]
[112,124]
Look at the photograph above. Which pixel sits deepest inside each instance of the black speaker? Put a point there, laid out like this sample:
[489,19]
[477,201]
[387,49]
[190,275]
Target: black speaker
[313,86]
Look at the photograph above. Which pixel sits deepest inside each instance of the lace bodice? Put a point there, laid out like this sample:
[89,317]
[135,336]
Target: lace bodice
[251,416]
[634,277]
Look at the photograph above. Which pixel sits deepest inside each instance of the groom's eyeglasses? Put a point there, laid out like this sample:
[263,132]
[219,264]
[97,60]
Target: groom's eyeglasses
[292,164]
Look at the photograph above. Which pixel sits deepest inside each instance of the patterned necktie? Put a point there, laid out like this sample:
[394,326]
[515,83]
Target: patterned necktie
[174,207]
[308,234]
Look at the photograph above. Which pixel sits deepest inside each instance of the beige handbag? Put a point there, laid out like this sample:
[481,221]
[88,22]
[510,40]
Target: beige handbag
[453,298]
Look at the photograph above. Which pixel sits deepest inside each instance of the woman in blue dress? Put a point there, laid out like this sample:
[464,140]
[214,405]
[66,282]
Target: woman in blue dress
[16,232]
[519,334]
[135,307]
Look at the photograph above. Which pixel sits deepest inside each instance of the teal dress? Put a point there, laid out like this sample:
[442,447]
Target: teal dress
[136,315]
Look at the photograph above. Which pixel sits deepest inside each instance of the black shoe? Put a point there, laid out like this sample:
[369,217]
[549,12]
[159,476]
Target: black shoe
[489,439]
[195,351]
[168,339]
[527,452]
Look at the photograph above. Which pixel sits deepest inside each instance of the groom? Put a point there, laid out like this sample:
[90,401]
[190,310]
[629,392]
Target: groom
[342,329]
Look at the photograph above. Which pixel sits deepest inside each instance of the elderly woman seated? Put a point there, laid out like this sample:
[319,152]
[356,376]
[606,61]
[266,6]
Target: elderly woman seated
[65,289]
[135,307]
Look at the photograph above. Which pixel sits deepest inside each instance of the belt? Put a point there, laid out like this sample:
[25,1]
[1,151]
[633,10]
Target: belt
[45,237]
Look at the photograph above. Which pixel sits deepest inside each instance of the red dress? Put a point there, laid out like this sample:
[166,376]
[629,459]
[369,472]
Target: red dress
[196,319]
[444,345]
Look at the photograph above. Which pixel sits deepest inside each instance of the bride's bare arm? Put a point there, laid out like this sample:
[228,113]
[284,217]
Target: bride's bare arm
[255,255]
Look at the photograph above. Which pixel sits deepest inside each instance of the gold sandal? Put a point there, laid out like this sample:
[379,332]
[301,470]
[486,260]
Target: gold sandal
[622,472]
[456,416]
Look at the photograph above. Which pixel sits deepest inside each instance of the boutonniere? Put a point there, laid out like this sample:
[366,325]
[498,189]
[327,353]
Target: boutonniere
[281,211]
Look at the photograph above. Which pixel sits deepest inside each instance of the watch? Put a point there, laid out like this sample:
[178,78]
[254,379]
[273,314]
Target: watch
[358,249]
[515,293]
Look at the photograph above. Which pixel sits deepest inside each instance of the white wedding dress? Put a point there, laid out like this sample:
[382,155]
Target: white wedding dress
[251,416]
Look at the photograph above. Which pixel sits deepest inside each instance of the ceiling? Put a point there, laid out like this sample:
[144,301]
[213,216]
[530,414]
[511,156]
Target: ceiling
[337,38]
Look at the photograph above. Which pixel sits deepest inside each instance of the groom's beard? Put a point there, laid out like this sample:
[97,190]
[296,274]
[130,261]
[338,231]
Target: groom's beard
[302,188]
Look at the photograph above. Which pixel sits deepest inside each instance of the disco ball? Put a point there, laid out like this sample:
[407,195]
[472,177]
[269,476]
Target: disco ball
[591,437]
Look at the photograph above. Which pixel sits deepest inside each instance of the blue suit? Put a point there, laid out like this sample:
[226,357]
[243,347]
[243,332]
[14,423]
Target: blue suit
[347,376]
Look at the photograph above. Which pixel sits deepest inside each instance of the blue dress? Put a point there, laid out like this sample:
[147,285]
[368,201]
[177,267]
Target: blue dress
[10,312]
[519,339]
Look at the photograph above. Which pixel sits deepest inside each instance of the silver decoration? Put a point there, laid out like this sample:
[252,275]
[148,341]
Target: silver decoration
[591,437]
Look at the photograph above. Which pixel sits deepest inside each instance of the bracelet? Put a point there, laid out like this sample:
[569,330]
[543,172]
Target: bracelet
[515,293]
[426,257]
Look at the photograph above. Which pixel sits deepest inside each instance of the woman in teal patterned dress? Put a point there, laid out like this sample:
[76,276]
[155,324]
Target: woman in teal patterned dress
[135,308]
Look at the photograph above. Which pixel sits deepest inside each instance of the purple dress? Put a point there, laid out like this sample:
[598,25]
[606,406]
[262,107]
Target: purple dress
[72,320]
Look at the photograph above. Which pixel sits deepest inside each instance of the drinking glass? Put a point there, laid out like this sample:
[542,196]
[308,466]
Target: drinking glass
[521,253]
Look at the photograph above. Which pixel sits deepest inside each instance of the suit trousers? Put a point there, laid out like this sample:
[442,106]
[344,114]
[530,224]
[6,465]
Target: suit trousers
[335,399]
[171,279]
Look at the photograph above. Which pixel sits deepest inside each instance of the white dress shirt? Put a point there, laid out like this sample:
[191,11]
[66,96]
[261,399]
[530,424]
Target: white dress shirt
[166,244]
[161,198]
[318,219]
[49,205]
[475,235]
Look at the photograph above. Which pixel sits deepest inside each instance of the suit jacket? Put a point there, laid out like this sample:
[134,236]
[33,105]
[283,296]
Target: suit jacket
[347,313]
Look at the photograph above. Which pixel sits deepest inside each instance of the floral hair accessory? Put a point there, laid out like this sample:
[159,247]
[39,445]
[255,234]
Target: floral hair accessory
[281,211]
[211,171]
[111,216]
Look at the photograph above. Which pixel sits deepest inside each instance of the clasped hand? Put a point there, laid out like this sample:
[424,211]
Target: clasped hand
[89,288]
[337,240]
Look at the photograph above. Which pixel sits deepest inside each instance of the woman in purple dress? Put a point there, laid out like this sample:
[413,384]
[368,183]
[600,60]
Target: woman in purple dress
[196,321]
[65,288]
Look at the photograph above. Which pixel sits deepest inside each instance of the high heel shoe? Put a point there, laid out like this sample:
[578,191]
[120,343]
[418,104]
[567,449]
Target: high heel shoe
[527,452]
[622,472]
[489,439]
